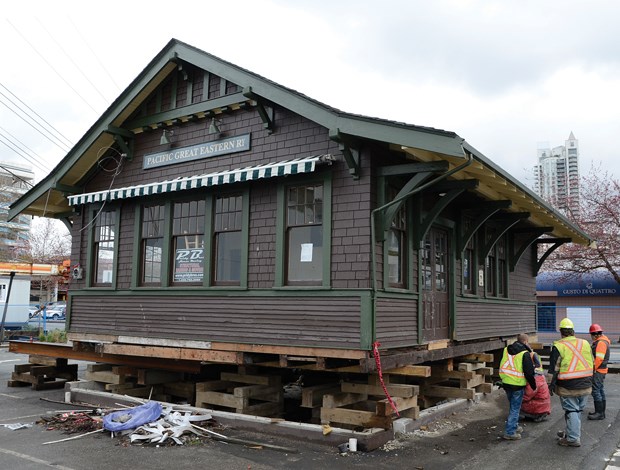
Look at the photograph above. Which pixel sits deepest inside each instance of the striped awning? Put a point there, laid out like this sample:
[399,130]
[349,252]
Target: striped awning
[268,170]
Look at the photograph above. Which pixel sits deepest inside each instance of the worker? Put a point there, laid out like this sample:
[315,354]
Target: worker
[600,352]
[516,370]
[570,366]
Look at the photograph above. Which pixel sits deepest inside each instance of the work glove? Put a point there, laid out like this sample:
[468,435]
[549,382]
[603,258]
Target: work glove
[552,388]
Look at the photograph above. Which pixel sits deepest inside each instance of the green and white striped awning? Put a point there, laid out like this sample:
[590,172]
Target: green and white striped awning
[269,170]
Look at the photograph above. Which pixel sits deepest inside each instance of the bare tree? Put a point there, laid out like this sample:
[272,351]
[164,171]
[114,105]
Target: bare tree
[50,243]
[599,217]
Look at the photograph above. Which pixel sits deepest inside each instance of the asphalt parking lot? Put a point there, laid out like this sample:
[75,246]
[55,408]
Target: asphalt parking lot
[466,439]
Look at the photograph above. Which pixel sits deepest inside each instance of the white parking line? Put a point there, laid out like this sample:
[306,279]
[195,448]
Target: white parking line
[34,459]
[11,396]
[10,360]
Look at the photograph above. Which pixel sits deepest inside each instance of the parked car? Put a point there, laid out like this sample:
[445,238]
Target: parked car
[53,311]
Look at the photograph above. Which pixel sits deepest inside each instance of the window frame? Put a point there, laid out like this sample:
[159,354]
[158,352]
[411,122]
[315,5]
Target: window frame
[92,252]
[172,242]
[141,251]
[282,257]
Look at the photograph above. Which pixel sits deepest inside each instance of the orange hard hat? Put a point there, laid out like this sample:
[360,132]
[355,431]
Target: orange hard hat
[595,328]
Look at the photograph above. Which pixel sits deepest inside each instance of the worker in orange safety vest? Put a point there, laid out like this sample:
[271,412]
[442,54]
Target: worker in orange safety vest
[600,351]
[570,365]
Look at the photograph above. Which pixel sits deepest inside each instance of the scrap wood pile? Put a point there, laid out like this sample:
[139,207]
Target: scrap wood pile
[149,423]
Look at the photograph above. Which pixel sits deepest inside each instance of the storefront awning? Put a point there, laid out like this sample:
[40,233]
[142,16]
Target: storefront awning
[269,170]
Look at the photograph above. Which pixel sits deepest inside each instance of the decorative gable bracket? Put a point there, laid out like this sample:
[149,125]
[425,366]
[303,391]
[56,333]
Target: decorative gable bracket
[350,152]
[124,139]
[266,113]
[556,243]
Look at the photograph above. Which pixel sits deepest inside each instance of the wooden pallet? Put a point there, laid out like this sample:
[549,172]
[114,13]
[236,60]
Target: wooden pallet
[258,395]
[43,373]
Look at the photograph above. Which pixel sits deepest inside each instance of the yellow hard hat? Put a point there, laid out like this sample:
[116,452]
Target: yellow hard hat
[566,323]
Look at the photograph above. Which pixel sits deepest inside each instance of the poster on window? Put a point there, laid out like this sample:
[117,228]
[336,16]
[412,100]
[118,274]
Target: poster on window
[189,265]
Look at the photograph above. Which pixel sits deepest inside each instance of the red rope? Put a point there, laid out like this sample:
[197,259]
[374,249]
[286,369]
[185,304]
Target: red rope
[375,352]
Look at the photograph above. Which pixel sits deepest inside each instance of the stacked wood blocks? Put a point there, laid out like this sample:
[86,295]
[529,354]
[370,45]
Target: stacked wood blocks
[461,377]
[258,395]
[144,383]
[43,373]
[363,404]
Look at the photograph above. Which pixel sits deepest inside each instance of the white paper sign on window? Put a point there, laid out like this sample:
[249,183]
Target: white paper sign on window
[2,293]
[306,253]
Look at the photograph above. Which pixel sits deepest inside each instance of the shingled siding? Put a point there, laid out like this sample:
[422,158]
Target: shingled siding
[477,320]
[397,322]
[329,322]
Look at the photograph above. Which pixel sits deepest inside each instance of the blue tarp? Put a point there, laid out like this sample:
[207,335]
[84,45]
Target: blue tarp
[131,418]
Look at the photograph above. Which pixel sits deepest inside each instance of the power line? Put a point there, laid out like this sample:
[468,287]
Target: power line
[68,142]
[17,151]
[52,67]
[16,176]
[105,100]
[95,55]
[40,159]
[13,111]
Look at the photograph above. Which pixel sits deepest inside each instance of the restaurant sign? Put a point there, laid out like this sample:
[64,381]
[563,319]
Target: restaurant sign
[234,144]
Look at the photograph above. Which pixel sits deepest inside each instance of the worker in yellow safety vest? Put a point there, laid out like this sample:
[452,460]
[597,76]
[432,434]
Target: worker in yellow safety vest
[516,371]
[600,351]
[570,366]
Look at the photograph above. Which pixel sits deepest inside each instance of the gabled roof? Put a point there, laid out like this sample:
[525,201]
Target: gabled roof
[49,197]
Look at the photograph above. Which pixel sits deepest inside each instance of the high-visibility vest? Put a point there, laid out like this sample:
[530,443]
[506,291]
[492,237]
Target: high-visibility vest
[601,354]
[511,368]
[576,356]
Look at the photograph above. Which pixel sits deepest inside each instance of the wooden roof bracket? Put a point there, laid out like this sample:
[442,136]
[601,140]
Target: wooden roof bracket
[482,213]
[533,234]
[453,190]
[556,243]
[124,139]
[506,222]
[350,150]
[266,113]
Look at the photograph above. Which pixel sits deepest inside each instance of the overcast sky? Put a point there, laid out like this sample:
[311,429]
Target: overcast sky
[508,76]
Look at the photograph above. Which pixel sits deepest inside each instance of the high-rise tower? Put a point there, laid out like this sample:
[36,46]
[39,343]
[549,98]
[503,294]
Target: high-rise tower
[557,175]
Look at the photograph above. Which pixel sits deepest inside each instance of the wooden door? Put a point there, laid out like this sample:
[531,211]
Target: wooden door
[435,276]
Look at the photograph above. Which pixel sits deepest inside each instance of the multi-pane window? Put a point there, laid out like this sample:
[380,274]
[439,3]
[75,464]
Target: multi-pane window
[546,316]
[496,270]
[469,270]
[152,244]
[227,226]
[104,248]
[304,234]
[435,261]
[396,245]
[188,221]
[501,268]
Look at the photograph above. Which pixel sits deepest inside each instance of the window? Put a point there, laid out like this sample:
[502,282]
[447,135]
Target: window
[227,226]
[469,268]
[501,268]
[396,246]
[304,234]
[104,248]
[496,270]
[546,316]
[152,244]
[188,222]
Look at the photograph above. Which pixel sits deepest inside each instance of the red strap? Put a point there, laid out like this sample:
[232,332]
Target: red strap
[375,352]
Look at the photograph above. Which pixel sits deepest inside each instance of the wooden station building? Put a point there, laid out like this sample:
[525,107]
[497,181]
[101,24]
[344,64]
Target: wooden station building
[217,216]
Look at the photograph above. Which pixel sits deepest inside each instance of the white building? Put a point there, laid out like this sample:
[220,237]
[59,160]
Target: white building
[557,175]
[15,180]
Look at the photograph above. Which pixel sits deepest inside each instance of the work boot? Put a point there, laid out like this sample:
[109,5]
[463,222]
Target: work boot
[565,442]
[599,412]
[561,434]
[512,437]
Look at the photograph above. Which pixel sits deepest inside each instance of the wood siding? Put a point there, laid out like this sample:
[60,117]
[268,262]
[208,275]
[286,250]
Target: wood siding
[477,320]
[329,322]
[397,322]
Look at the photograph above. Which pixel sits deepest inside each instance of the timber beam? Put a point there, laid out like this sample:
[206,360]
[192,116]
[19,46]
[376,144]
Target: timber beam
[395,360]
[350,150]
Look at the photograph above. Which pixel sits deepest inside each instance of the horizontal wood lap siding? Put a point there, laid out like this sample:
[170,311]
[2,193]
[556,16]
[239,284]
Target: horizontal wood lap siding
[397,322]
[329,322]
[476,320]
